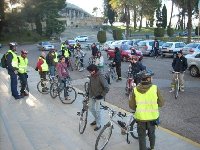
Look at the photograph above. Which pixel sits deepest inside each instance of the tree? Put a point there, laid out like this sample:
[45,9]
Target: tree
[159,21]
[164,17]
[172,9]
[111,14]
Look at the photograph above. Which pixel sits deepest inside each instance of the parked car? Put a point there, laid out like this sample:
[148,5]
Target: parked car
[125,50]
[106,45]
[193,63]
[71,43]
[171,48]
[145,46]
[191,48]
[81,38]
[45,46]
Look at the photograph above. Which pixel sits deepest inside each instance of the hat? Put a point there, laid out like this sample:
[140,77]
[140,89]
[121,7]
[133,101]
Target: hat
[24,51]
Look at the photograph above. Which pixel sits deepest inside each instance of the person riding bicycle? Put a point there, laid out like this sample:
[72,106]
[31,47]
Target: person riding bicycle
[63,72]
[136,67]
[51,61]
[146,100]
[179,64]
[94,50]
[99,61]
[98,88]
[80,55]
[43,68]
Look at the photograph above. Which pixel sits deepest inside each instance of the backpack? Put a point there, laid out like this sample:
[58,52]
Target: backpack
[4,61]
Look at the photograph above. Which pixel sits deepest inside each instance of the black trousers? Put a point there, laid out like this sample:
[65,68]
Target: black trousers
[23,80]
[142,127]
[118,70]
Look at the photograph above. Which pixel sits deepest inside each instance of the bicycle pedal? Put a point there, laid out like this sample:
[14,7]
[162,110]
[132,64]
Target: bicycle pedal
[78,113]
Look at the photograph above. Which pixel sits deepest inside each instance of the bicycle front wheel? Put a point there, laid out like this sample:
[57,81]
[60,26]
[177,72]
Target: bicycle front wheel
[83,121]
[67,95]
[133,129]
[43,87]
[54,90]
[176,89]
[104,137]
[86,87]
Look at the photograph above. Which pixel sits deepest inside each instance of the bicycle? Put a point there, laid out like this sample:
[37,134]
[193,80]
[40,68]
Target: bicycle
[92,60]
[67,94]
[84,112]
[129,82]
[111,74]
[78,63]
[129,127]
[44,85]
[177,84]
[69,64]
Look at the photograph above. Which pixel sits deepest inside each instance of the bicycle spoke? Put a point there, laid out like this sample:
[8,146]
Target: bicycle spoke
[68,95]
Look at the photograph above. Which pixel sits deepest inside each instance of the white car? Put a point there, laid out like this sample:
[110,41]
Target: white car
[145,46]
[191,48]
[81,38]
[45,46]
[171,48]
[106,45]
[193,61]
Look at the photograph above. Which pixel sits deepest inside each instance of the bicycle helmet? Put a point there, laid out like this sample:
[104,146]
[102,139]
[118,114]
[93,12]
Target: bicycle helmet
[145,74]
[24,51]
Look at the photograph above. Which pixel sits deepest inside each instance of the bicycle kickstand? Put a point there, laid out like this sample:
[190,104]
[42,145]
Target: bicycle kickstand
[127,139]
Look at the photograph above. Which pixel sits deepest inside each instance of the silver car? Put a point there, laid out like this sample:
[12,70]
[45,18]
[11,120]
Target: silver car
[191,48]
[194,63]
[45,46]
[145,46]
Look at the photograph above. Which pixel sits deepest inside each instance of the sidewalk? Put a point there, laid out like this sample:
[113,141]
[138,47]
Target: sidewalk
[39,122]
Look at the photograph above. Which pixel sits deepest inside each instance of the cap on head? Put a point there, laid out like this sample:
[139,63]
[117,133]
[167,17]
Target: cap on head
[24,51]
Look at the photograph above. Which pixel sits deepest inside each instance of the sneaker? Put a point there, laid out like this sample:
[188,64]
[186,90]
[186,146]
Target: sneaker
[93,123]
[97,128]
[172,90]
[80,69]
[182,89]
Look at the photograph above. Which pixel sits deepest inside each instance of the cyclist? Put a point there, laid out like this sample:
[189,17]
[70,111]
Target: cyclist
[51,61]
[94,50]
[66,53]
[42,68]
[145,100]
[80,55]
[98,87]
[99,61]
[136,67]
[117,63]
[179,64]
[22,71]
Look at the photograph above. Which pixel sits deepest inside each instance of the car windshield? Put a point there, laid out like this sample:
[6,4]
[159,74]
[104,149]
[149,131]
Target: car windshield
[167,44]
[125,47]
[192,45]
[46,43]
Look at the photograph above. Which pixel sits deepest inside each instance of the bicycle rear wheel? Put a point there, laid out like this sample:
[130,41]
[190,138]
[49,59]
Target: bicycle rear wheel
[133,129]
[127,89]
[43,87]
[67,95]
[104,137]
[176,89]
[54,90]
[83,120]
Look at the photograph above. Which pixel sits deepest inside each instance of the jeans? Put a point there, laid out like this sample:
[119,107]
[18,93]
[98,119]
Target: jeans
[141,129]
[13,83]
[52,71]
[23,80]
[94,107]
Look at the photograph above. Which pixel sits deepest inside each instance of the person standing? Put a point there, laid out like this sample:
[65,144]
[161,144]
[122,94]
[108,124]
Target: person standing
[94,50]
[99,61]
[179,64]
[146,100]
[12,68]
[98,88]
[50,59]
[117,63]
[22,72]
[155,47]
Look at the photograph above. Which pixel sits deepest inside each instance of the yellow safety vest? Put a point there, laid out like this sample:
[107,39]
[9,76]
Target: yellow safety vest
[23,64]
[44,66]
[14,59]
[56,57]
[66,53]
[146,104]
[63,46]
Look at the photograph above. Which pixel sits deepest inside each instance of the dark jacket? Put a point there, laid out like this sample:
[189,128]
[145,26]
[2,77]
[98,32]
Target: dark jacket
[117,58]
[143,87]
[50,59]
[98,85]
[137,67]
[179,64]
[155,45]
[94,50]
[9,58]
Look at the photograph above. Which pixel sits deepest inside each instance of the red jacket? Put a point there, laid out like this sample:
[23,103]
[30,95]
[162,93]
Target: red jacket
[39,63]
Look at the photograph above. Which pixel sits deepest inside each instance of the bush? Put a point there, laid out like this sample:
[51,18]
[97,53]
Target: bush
[101,36]
[159,32]
[117,34]
[196,30]
[170,31]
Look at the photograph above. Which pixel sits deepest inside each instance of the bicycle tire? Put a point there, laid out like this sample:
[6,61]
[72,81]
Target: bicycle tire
[86,87]
[79,65]
[127,89]
[176,89]
[101,136]
[83,120]
[54,90]
[133,129]
[67,95]
[40,88]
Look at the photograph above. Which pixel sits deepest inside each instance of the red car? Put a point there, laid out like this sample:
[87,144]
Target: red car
[126,52]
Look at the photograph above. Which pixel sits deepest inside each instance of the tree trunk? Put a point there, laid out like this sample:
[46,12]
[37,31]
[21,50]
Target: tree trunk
[135,19]
[2,16]
[189,21]
[127,14]
[141,14]
[170,20]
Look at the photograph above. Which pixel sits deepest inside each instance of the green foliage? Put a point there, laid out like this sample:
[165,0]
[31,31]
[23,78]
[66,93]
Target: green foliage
[164,17]
[170,31]
[159,32]
[117,34]
[110,13]
[101,36]
[159,21]
[196,30]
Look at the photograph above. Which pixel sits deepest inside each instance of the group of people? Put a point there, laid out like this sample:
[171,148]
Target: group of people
[145,99]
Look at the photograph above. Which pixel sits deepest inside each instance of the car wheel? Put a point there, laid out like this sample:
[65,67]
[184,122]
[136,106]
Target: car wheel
[194,71]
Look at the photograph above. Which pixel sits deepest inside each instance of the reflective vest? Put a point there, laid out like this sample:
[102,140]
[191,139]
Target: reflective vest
[14,59]
[63,46]
[44,66]
[66,53]
[56,57]
[23,64]
[146,104]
